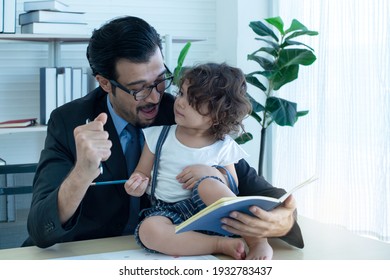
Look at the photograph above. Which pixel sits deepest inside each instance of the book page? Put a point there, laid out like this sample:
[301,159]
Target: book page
[294,189]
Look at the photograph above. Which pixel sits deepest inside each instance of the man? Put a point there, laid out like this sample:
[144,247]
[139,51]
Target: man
[90,135]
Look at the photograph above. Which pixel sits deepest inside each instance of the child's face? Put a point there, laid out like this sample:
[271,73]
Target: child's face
[186,115]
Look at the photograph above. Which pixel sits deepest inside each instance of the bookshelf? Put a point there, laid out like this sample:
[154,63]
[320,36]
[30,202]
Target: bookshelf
[55,41]
[35,128]
[45,37]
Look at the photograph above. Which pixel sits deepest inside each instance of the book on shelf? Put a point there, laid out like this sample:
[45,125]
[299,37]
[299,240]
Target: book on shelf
[50,5]
[64,85]
[60,86]
[1,15]
[48,92]
[85,77]
[51,16]
[8,16]
[68,84]
[18,123]
[3,198]
[76,82]
[55,28]
[209,218]
[88,82]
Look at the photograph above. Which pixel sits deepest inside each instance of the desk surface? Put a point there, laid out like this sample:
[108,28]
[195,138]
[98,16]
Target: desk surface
[322,242]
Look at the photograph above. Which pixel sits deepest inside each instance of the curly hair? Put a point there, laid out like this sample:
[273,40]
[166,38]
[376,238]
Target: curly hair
[222,90]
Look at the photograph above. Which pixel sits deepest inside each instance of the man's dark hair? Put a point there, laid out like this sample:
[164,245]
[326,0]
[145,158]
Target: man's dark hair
[221,89]
[126,37]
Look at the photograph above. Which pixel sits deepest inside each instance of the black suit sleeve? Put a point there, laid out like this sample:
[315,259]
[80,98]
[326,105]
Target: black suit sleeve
[103,212]
[43,223]
[251,184]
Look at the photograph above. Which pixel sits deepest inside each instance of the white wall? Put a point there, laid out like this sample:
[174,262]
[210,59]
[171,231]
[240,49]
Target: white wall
[235,40]
[223,23]
[20,61]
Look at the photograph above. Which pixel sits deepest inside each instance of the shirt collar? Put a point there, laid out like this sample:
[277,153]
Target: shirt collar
[119,122]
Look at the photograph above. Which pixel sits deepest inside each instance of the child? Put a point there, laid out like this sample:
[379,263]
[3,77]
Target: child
[210,104]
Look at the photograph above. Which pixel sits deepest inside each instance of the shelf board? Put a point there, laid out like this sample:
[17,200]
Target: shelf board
[76,38]
[46,37]
[182,39]
[35,128]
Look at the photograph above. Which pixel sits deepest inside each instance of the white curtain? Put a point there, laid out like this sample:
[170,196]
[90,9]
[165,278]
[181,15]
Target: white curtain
[345,138]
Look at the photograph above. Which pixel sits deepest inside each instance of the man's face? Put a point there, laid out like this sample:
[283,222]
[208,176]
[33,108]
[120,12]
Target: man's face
[135,76]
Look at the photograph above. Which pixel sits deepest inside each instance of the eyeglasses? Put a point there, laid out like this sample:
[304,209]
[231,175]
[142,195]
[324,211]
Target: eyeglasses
[141,94]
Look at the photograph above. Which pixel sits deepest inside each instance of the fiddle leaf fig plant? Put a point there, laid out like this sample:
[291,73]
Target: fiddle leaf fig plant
[279,59]
[177,72]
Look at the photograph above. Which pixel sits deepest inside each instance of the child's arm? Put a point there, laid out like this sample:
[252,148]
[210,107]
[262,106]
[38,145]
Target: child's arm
[139,180]
[232,171]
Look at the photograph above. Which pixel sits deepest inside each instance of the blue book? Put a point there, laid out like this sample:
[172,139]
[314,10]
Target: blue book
[209,218]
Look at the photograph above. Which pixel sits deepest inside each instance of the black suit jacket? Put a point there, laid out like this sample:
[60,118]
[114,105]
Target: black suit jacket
[104,209]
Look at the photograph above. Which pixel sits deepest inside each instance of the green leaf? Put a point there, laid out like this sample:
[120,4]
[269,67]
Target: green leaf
[255,82]
[273,44]
[302,113]
[283,112]
[270,51]
[255,116]
[296,25]
[180,60]
[284,76]
[267,74]
[262,30]
[289,57]
[288,43]
[265,63]
[243,138]
[300,33]
[277,22]
[256,106]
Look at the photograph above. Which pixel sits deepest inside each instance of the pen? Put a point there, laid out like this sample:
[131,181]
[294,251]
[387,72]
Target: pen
[100,166]
[108,183]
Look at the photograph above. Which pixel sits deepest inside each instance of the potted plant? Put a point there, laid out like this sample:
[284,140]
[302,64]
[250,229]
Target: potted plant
[279,62]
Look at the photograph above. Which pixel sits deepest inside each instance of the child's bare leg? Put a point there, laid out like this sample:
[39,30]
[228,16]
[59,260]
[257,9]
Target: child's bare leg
[158,233]
[259,249]
[211,190]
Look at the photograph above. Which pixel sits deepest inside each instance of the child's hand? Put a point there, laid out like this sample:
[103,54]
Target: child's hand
[191,174]
[137,184]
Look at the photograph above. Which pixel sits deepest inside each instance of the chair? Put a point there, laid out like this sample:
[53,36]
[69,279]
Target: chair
[15,199]
[16,169]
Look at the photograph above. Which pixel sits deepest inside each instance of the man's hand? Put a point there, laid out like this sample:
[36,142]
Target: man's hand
[275,223]
[92,146]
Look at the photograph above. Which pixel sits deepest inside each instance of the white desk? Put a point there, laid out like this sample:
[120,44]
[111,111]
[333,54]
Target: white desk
[322,242]
[328,242]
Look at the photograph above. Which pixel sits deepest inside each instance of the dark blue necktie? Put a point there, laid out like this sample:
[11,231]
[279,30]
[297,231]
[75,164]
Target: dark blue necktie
[132,155]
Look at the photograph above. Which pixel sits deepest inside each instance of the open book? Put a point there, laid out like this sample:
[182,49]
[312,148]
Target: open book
[209,218]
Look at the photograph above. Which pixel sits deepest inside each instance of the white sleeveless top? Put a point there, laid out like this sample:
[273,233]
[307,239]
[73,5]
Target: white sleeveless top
[175,157]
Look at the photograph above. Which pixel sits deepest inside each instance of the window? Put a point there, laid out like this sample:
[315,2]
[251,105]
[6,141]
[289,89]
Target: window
[345,138]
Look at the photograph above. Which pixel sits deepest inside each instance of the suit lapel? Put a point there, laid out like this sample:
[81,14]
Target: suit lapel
[114,168]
